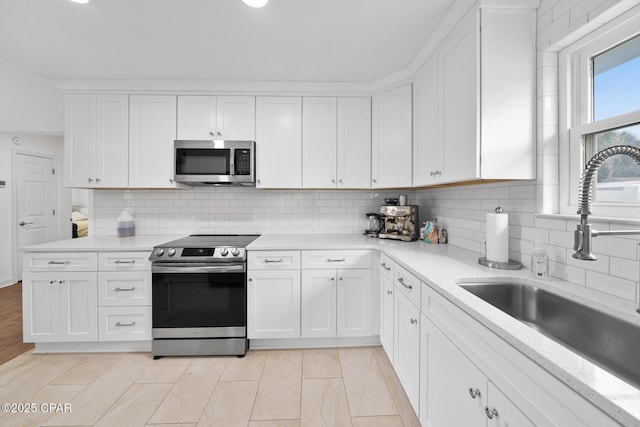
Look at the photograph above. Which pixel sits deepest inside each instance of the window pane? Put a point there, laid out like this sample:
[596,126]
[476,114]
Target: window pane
[616,73]
[618,178]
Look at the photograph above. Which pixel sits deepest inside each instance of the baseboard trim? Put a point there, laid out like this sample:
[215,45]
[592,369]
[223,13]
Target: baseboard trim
[92,347]
[280,343]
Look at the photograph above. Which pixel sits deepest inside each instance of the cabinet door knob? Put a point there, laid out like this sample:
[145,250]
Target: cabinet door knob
[414,321]
[474,392]
[340,181]
[211,133]
[171,181]
[333,181]
[61,281]
[250,279]
[97,180]
[219,133]
[333,279]
[90,179]
[389,292]
[51,282]
[375,180]
[490,412]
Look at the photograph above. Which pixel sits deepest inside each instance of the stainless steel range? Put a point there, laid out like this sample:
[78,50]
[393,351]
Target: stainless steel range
[199,296]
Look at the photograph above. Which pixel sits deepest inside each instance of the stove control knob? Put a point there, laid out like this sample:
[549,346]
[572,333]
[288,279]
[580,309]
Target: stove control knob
[224,251]
[159,252]
[171,252]
[235,251]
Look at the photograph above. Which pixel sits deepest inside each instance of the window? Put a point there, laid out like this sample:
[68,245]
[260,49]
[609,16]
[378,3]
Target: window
[603,106]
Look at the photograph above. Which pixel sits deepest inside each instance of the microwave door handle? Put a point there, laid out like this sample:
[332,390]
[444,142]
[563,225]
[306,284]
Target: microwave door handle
[232,163]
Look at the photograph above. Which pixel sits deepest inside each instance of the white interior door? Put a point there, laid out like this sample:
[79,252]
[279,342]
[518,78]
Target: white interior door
[36,200]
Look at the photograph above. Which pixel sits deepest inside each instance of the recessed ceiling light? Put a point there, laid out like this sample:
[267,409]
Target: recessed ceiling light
[255,3]
[80,1]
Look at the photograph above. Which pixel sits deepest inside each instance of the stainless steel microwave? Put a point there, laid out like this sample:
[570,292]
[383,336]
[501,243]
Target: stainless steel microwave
[215,162]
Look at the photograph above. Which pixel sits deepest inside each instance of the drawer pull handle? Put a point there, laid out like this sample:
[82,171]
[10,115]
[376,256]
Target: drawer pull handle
[133,288]
[125,324]
[384,265]
[133,261]
[267,261]
[58,262]
[335,260]
[474,392]
[401,280]
[490,412]
[414,321]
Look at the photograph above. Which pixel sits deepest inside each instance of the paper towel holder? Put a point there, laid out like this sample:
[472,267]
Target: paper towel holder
[509,265]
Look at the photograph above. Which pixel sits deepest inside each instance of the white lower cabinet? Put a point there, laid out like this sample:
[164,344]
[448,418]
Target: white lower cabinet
[273,304]
[336,303]
[125,323]
[106,298]
[471,377]
[460,393]
[406,346]
[59,306]
[386,316]
[311,294]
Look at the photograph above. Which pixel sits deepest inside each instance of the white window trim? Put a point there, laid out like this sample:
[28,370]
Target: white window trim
[575,110]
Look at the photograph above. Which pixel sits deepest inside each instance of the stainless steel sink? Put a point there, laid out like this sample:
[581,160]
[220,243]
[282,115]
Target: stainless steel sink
[609,342]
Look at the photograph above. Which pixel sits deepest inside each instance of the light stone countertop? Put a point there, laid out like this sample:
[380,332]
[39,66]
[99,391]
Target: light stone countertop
[103,244]
[442,267]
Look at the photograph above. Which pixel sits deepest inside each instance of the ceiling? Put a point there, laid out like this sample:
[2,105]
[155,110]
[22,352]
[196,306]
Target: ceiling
[216,40]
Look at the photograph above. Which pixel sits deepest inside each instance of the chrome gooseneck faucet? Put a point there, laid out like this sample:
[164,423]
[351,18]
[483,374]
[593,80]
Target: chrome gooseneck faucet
[584,232]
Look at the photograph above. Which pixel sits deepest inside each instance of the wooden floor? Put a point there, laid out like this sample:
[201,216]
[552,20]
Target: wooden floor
[11,344]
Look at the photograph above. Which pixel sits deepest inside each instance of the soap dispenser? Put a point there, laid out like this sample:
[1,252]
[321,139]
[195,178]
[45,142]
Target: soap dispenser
[539,263]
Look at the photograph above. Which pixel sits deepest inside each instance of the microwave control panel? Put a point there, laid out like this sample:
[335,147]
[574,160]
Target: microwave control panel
[242,161]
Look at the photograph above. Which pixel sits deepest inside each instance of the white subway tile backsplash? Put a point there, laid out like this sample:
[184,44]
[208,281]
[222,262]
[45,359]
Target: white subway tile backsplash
[624,268]
[622,288]
[615,246]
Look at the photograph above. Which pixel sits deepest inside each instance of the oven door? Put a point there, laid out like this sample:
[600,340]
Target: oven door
[199,300]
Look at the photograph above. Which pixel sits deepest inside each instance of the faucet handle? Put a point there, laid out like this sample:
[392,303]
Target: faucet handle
[577,239]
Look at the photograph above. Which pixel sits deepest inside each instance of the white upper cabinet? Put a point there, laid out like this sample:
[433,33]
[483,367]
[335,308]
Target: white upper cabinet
[279,142]
[319,135]
[458,67]
[96,140]
[354,142]
[391,139]
[152,130]
[475,99]
[427,152]
[216,117]
[336,142]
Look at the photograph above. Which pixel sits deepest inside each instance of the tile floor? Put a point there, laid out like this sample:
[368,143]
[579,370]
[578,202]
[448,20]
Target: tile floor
[316,387]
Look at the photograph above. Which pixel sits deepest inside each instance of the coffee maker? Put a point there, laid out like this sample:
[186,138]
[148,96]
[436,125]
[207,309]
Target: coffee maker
[400,223]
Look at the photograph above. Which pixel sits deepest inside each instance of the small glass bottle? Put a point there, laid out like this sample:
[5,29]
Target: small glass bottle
[539,263]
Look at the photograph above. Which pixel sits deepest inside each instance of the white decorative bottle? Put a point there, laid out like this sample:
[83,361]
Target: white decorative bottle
[126,226]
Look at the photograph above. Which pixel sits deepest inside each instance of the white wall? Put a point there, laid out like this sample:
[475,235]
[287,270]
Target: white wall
[52,145]
[29,103]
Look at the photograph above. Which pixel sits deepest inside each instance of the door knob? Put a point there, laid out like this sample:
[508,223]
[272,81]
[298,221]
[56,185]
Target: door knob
[22,223]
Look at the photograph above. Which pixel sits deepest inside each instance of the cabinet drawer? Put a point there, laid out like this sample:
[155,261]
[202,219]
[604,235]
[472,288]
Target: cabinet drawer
[124,288]
[59,261]
[274,260]
[386,267]
[124,323]
[124,261]
[408,284]
[336,259]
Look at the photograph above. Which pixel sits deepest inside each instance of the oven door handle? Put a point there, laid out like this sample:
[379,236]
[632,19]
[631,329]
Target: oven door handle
[197,268]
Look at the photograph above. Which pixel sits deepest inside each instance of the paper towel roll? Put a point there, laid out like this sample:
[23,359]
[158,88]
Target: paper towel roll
[498,237]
